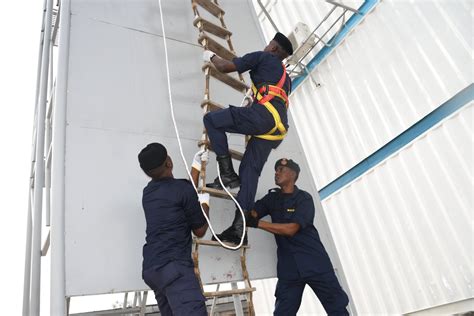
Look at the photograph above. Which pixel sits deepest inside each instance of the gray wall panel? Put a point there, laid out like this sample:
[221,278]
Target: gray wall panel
[117,103]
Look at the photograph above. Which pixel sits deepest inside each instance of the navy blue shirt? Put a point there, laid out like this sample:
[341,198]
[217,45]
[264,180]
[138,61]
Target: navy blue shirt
[302,255]
[172,210]
[265,68]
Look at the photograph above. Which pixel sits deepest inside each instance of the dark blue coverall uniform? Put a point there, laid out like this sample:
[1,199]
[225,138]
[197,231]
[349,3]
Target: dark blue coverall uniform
[265,68]
[302,258]
[172,210]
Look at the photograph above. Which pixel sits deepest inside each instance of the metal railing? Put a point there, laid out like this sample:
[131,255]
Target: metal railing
[296,64]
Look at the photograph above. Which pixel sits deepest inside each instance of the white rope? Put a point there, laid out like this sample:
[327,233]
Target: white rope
[182,154]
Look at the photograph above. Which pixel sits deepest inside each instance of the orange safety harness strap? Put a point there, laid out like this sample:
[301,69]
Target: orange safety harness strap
[264,95]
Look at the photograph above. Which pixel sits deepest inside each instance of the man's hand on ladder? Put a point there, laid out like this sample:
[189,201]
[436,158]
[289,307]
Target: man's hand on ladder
[207,55]
[204,198]
[200,157]
[248,98]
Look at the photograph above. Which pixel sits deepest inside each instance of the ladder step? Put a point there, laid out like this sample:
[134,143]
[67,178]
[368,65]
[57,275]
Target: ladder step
[214,243]
[230,292]
[225,78]
[218,193]
[205,25]
[210,7]
[212,106]
[235,154]
[214,46]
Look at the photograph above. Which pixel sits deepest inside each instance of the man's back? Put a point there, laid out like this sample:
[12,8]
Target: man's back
[171,211]
[265,69]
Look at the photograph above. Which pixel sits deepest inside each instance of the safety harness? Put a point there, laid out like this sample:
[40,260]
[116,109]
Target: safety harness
[264,95]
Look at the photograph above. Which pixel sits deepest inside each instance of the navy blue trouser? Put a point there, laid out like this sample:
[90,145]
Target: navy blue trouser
[177,290]
[246,121]
[326,287]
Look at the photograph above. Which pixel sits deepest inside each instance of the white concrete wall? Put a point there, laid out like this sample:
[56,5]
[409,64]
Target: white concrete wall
[117,103]
[403,230]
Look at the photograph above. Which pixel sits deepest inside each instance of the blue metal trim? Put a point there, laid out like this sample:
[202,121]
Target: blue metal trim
[325,51]
[459,100]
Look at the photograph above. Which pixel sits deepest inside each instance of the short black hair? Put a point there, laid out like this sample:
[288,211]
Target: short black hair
[152,156]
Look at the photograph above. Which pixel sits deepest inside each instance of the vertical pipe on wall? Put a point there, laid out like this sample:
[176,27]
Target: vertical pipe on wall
[58,289]
[27,276]
[39,166]
[27,273]
[47,183]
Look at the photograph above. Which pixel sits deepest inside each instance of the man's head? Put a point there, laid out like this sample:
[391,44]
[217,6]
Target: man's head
[155,162]
[286,172]
[280,46]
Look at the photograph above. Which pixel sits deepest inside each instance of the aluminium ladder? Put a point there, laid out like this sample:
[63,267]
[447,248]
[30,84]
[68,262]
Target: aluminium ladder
[209,35]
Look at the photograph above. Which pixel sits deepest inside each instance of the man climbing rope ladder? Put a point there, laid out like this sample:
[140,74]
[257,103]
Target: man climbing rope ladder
[265,120]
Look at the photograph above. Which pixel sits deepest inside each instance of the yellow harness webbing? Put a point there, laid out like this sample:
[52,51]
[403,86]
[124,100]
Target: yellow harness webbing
[273,91]
[276,116]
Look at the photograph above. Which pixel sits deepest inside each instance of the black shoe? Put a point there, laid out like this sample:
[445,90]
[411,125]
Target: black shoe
[233,234]
[230,235]
[230,179]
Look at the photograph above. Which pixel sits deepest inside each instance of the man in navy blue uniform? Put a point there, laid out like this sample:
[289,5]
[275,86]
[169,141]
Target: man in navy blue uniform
[265,120]
[172,211]
[302,258]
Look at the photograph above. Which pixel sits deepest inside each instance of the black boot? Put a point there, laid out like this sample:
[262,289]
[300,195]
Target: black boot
[233,233]
[228,175]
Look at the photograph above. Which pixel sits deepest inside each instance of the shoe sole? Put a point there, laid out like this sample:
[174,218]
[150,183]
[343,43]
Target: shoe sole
[231,185]
[245,243]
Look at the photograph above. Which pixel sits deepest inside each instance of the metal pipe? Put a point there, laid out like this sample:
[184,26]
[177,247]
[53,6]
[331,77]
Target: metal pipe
[39,167]
[342,5]
[27,277]
[264,10]
[27,273]
[319,40]
[59,302]
[47,182]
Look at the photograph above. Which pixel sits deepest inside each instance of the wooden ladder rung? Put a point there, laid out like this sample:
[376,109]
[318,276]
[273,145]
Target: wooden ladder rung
[213,243]
[229,292]
[212,106]
[210,7]
[218,193]
[214,46]
[235,154]
[205,25]
[225,78]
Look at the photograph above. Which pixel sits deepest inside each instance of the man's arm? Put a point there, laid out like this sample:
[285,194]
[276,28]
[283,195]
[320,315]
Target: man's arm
[286,229]
[195,176]
[201,231]
[223,65]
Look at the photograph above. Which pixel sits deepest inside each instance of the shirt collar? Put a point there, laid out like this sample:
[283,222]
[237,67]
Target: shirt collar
[295,192]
